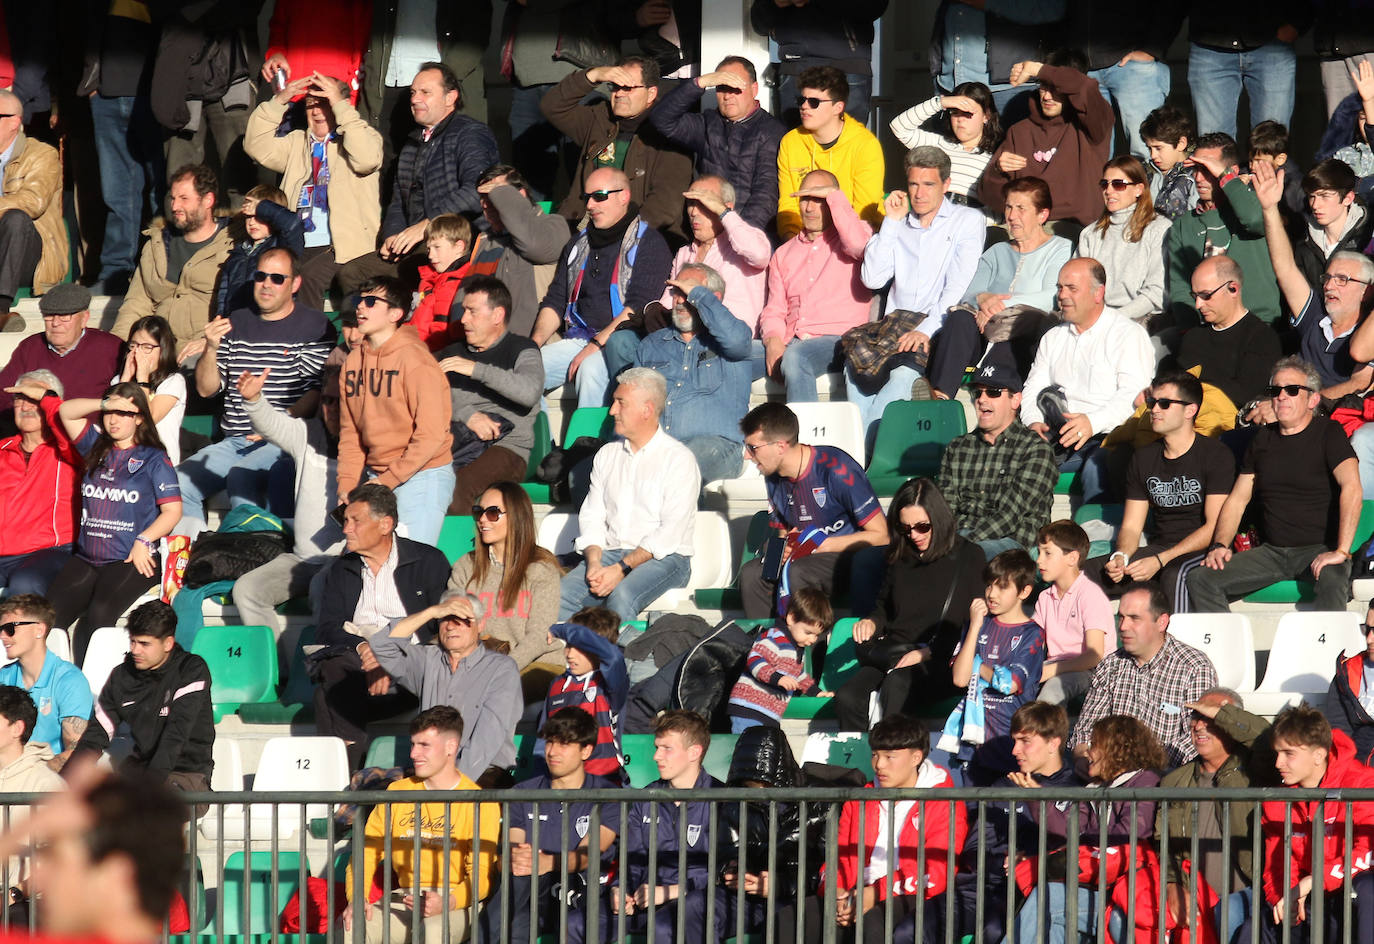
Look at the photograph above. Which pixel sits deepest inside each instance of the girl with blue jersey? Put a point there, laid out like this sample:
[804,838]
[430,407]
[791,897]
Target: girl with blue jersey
[129,500]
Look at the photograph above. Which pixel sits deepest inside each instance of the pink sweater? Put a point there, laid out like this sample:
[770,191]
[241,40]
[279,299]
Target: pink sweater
[814,286]
[740,255]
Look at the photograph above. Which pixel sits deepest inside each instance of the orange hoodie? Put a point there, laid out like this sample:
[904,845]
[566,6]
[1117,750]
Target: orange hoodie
[396,412]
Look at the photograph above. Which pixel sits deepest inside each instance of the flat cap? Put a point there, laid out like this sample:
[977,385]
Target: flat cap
[68,298]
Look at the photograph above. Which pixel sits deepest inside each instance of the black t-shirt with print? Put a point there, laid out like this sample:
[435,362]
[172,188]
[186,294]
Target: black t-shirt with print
[1176,488]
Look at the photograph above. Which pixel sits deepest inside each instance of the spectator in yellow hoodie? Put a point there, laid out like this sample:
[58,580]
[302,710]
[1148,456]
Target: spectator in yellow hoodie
[435,735]
[396,409]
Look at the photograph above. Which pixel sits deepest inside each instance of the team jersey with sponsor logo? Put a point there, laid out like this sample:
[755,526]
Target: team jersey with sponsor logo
[121,498]
[832,493]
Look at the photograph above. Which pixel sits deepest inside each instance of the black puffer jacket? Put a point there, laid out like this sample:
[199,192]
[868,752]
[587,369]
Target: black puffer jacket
[710,670]
[440,175]
[1343,28]
[835,33]
[762,755]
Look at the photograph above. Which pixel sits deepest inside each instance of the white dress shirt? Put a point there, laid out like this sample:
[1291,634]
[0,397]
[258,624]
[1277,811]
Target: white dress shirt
[644,499]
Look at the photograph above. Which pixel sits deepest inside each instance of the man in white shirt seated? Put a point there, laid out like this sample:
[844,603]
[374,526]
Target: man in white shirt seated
[1086,375]
[637,523]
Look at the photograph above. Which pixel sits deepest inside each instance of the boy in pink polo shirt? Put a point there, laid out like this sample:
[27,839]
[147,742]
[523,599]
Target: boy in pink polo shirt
[1074,612]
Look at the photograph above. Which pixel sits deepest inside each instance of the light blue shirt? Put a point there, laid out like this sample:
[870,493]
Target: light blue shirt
[414,42]
[60,691]
[1028,277]
[929,267]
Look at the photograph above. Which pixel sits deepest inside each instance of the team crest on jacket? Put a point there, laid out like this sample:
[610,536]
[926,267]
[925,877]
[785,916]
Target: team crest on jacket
[818,494]
[583,824]
[135,465]
[693,834]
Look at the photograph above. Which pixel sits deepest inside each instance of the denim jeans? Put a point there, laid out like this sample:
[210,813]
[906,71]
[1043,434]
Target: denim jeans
[591,381]
[620,353]
[740,725]
[1057,894]
[422,501]
[231,461]
[803,361]
[1269,75]
[534,139]
[641,587]
[1136,89]
[856,107]
[129,151]
[717,457]
[1362,441]
[871,406]
[991,547]
[32,572]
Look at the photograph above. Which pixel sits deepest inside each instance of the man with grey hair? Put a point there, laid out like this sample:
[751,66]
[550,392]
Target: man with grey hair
[33,239]
[637,524]
[483,684]
[926,253]
[83,357]
[1307,479]
[705,360]
[40,478]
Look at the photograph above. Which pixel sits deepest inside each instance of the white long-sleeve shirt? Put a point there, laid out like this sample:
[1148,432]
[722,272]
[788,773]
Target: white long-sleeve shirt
[642,499]
[1100,370]
[929,267]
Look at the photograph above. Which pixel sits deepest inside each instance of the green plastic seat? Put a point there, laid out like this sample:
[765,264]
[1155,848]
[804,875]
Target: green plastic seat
[1305,590]
[849,749]
[526,764]
[719,754]
[255,884]
[388,750]
[728,598]
[841,661]
[296,702]
[243,665]
[912,436]
[638,750]
[545,205]
[1066,483]
[543,442]
[594,421]
[457,536]
[202,425]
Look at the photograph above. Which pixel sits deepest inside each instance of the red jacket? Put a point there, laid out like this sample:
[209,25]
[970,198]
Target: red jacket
[437,291]
[1342,771]
[39,499]
[934,832]
[314,37]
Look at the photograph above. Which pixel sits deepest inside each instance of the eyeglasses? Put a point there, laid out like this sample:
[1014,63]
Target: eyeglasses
[372,301]
[1116,183]
[1341,279]
[491,513]
[144,348]
[278,278]
[625,88]
[1207,296]
[992,393]
[812,102]
[753,448]
[129,414]
[65,317]
[9,628]
[1273,390]
[600,196]
[1368,628]
[1164,403]
[920,527]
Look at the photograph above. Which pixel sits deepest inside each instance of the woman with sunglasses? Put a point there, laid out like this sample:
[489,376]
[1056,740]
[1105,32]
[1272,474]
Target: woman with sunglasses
[906,645]
[517,581]
[1128,239]
[150,360]
[129,501]
[968,130]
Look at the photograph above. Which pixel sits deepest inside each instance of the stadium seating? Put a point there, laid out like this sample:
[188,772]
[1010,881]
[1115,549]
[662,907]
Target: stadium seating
[728,598]
[59,643]
[844,749]
[288,764]
[242,662]
[911,440]
[841,659]
[543,442]
[252,896]
[1227,639]
[593,421]
[295,701]
[107,649]
[1302,659]
[836,423]
[457,536]
[1304,589]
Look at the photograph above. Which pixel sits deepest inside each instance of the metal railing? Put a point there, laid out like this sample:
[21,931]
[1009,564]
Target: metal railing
[282,830]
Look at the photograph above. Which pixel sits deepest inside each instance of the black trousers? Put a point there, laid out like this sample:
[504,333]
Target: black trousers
[98,596]
[20,250]
[343,706]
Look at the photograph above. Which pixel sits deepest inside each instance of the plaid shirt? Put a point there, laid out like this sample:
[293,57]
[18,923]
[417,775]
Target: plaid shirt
[1003,489]
[1154,692]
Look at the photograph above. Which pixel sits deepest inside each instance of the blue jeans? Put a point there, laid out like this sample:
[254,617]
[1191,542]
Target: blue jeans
[128,150]
[856,106]
[740,725]
[645,584]
[1362,441]
[534,139]
[717,457]
[620,352]
[1269,75]
[994,546]
[232,460]
[422,501]
[871,406]
[1057,893]
[32,572]
[803,361]
[591,381]
[1136,89]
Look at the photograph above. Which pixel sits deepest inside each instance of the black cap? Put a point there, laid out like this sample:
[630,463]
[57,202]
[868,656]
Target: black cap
[67,298]
[996,375]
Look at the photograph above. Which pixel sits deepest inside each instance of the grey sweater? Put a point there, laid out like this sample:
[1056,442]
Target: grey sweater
[507,380]
[1135,271]
[305,441]
[525,251]
[526,625]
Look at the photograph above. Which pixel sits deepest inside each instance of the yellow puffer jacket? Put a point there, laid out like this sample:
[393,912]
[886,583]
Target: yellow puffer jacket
[1216,415]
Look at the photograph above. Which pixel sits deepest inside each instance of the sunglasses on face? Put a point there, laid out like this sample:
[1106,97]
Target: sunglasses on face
[992,393]
[1293,390]
[372,301]
[601,196]
[1163,403]
[491,513]
[9,628]
[920,527]
[278,278]
[811,101]
[625,88]
[1368,628]
[1207,296]
[753,448]
[1116,183]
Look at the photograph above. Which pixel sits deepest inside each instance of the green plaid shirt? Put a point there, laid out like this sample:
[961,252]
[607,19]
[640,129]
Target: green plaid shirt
[1003,489]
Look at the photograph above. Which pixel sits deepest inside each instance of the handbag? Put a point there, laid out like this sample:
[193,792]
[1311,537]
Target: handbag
[875,709]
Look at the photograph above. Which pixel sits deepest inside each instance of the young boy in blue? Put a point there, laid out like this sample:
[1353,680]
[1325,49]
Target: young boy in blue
[999,661]
[596,682]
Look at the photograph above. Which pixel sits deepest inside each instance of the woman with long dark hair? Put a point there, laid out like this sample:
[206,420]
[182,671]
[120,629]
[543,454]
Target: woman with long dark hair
[129,501]
[1128,239]
[969,131]
[906,644]
[517,582]
[150,360]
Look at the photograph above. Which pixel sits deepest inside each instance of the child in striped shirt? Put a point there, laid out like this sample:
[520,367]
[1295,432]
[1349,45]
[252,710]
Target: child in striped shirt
[595,682]
[773,670]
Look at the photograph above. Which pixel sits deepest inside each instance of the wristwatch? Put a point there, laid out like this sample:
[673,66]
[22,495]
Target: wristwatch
[625,568]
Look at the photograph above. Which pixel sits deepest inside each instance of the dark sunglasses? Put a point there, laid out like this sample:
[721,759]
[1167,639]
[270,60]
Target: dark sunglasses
[625,88]
[9,628]
[1207,296]
[491,513]
[1273,390]
[992,393]
[920,527]
[1163,402]
[812,102]
[601,196]
[277,278]
[372,301]
[1116,184]
[1367,629]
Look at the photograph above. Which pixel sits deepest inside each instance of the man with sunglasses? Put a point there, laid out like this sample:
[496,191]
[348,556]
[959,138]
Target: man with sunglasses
[59,690]
[999,479]
[284,341]
[1350,700]
[617,133]
[1305,478]
[1233,348]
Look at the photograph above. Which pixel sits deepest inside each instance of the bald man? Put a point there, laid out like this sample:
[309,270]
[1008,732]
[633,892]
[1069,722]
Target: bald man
[1234,348]
[33,241]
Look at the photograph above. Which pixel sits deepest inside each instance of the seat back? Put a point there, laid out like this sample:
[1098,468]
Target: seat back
[107,649]
[388,750]
[912,436]
[59,643]
[254,893]
[841,655]
[558,531]
[638,750]
[243,664]
[543,441]
[837,423]
[843,749]
[302,763]
[457,536]
[1227,639]
[719,755]
[593,421]
[710,551]
[1306,646]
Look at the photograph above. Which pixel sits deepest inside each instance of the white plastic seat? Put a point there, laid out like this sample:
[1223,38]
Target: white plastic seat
[1227,639]
[289,764]
[837,423]
[226,778]
[107,649]
[1302,659]
[60,644]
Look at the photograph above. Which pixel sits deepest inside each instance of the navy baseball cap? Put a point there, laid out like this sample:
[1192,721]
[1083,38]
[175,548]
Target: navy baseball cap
[996,375]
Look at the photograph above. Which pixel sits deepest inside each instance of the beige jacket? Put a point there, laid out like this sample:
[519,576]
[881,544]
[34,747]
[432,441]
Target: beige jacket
[186,304]
[33,183]
[355,161]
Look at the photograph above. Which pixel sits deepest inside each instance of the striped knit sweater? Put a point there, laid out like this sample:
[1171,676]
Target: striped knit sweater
[757,694]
